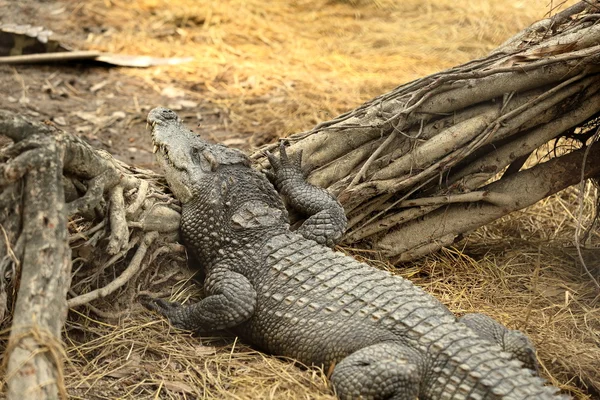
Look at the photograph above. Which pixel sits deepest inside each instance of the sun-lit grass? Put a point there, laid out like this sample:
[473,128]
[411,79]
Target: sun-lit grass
[280,67]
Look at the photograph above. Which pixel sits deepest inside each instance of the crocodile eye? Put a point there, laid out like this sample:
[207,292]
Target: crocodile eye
[199,158]
[196,155]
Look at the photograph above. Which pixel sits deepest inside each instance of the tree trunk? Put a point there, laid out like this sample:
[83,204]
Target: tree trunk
[413,165]
[43,168]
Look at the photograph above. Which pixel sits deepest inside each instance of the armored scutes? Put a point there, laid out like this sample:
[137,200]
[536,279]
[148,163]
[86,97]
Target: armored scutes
[290,294]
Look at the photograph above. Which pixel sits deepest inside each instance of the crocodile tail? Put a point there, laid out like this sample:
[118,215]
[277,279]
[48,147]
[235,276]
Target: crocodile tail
[468,367]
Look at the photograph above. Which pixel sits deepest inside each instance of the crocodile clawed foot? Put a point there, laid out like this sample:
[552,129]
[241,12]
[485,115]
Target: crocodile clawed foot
[285,166]
[172,310]
[161,306]
[294,161]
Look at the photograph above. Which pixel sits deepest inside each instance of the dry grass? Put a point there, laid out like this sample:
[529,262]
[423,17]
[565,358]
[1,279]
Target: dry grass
[138,358]
[541,286]
[280,67]
[514,270]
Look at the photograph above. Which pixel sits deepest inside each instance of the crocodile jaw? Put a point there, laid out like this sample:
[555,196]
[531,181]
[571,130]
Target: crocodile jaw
[174,147]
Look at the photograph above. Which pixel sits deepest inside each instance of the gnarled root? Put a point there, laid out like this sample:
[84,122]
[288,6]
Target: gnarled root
[121,211]
[399,161]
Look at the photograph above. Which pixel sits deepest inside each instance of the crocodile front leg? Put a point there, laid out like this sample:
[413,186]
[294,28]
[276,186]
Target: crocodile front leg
[326,220]
[230,300]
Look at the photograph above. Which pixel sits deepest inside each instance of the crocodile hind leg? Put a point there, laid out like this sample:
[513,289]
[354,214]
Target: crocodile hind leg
[380,371]
[326,220]
[511,341]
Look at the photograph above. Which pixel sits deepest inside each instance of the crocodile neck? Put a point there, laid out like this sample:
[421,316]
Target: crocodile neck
[229,218]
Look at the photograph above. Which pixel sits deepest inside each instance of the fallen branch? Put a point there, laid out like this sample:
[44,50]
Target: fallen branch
[50,57]
[523,188]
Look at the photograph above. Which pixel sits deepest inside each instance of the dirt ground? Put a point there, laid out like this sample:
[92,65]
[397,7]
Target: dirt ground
[263,70]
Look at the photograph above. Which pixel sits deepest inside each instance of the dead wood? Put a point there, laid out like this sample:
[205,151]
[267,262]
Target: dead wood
[36,243]
[499,198]
[50,57]
[33,358]
[396,160]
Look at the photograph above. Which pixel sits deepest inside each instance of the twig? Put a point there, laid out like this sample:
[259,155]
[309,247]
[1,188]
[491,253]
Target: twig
[425,249]
[50,57]
[166,249]
[85,235]
[375,224]
[580,211]
[129,272]
[108,315]
[142,191]
[164,293]
[498,199]
[365,209]
[363,170]
[9,249]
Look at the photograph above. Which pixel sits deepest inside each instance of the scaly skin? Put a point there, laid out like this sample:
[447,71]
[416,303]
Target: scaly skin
[285,293]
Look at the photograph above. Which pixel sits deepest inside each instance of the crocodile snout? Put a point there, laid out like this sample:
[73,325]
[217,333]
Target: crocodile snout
[161,114]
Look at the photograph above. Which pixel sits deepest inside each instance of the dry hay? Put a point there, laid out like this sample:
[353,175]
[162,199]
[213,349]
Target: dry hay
[141,358]
[540,285]
[281,67]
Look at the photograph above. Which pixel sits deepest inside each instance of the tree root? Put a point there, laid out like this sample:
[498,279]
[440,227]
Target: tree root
[521,190]
[409,153]
[133,268]
[33,223]
[118,223]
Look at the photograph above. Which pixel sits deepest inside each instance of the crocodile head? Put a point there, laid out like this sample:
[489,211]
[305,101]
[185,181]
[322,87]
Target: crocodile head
[184,156]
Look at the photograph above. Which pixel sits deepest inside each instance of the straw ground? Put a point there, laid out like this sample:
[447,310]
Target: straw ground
[516,270]
[282,67]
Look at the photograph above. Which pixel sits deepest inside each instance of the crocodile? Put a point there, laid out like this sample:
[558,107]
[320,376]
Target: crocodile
[287,292]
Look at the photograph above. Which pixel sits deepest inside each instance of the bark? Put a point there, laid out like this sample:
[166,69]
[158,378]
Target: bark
[35,355]
[36,243]
[498,199]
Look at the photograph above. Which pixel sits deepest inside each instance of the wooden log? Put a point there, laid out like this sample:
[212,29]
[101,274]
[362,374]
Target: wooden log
[35,352]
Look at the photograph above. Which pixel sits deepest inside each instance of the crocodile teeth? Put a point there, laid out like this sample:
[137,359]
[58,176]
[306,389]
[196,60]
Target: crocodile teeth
[155,149]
